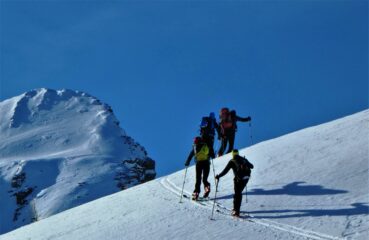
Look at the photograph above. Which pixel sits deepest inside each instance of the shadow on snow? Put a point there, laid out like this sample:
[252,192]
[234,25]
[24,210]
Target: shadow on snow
[356,209]
[297,189]
[293,189]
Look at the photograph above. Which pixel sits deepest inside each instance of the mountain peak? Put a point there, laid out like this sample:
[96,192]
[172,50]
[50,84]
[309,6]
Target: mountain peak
[27,105]
[59,149]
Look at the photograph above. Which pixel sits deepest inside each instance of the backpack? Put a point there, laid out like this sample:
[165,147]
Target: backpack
[227,119]
[207,126]
[201,152]
[243,168]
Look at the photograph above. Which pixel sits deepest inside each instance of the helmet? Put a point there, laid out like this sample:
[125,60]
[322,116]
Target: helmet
[234,152]
[197,140]
[223,112]
[212,115]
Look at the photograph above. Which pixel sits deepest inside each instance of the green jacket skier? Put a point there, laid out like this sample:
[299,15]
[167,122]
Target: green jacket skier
[201,152]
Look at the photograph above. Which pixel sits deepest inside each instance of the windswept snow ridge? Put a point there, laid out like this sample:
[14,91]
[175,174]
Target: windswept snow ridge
[311,184]
[60,149]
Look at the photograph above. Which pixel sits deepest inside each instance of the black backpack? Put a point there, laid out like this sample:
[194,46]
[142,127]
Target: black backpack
[207,127]
[243,167]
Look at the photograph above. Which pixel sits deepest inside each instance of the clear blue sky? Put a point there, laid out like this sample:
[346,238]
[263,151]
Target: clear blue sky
[163,65]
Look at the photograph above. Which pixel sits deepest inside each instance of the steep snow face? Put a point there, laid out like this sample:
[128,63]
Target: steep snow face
[311,184]
[60,149]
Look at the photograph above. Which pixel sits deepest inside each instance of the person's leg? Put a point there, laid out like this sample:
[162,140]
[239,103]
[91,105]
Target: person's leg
[206,170]
[211,147]
[198,178]
[231,138]
[237,198]
[223,146]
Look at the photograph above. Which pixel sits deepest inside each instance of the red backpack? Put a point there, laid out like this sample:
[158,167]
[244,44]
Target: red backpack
[227,121]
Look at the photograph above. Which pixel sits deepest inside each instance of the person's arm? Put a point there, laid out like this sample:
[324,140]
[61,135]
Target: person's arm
[190,156]
[241,119]
[225,170]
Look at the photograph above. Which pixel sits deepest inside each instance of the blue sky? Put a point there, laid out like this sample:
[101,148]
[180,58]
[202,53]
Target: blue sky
[163,65]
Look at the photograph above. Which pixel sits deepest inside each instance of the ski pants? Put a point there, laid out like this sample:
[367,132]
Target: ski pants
[202,170]
[228,138]
[239,185]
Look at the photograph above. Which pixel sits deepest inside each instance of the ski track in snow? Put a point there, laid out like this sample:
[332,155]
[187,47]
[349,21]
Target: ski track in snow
[170,186]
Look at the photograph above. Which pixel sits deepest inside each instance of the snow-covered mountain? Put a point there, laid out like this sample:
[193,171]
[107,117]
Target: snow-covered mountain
[311,184]
[60,149]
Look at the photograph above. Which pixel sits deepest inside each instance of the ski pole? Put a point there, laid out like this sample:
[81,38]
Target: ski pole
[246,193]
[251,142]
[212,163]
[184,180]
[246,187]
[215,198]
[250,133]
[215,147]
[215,180]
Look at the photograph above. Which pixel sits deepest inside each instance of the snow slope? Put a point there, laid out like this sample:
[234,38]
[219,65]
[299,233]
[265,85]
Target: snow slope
[60,149]
[311,184]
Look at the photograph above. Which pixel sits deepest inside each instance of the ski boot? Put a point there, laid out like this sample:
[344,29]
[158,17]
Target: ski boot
[207,191]
[235,213]
[195,196]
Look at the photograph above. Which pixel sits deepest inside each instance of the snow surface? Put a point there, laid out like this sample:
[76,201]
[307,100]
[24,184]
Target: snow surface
[69,148]
[311,184]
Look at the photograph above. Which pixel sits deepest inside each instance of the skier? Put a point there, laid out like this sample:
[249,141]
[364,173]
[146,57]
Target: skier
[201,153]
[242,170]
[228,128]
[207,131]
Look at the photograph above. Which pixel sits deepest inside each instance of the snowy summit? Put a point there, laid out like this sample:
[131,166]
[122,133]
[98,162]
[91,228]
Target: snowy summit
[60,149]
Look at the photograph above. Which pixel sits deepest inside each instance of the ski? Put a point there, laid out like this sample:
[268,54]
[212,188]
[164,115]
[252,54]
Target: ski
[226,212]
[203,199]
[200,200]
[241,217]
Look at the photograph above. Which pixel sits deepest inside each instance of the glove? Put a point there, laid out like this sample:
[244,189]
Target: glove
[217,177]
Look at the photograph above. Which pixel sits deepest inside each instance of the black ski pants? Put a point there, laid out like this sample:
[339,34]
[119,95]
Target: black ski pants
[227,138]
[239,185]
[202,171]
